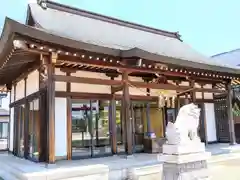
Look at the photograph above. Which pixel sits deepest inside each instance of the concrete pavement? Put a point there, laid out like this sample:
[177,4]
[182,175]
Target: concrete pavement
[147,166]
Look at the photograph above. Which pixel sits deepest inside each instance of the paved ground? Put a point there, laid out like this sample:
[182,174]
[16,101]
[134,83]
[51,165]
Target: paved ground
[226,170]
[221,170]
[224,164]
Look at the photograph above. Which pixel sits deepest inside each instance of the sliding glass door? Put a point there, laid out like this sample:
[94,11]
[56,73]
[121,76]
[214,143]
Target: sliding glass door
[90,128]
[81,136]
[137,114]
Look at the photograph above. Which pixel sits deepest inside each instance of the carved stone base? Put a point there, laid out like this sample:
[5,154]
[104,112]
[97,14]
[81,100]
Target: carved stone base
[192,166]
[186,171]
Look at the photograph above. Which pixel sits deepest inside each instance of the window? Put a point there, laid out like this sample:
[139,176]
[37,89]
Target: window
[3,130]
[34,129]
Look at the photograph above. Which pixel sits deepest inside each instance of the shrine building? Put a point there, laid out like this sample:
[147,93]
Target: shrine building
[84,85]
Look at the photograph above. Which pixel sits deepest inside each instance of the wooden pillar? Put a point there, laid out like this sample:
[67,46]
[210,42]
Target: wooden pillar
[177,101]
[51,106]
[112,118]
[9,88]
[69,120]
[193,92]
[230,114]
[15,136]
[186,101]
[26,122]
[204,116]
[126,114]
[149,129]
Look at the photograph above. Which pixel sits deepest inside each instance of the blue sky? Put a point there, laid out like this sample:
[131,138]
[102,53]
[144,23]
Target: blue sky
[209,26]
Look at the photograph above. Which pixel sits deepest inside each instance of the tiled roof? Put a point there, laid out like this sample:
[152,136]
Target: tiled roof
[231,58]
[107,34]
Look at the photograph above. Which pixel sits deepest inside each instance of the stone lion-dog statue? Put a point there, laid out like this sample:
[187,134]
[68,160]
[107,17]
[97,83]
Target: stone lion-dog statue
[185,128]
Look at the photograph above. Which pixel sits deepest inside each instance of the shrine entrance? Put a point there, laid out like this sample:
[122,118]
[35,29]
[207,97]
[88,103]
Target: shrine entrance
[90,128]
[138,115]
[221,119]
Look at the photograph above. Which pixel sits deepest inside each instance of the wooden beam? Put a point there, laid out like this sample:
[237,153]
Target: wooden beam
[115,89]
[86,80]
[186,91]
[82,95]
[118,67]
[207,90]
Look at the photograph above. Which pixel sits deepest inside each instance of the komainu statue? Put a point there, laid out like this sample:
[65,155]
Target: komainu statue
[185,128]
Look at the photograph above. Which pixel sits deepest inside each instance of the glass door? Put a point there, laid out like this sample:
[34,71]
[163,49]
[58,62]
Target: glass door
[119,129]
[100,120]
[137,125]
[81,126]
[136,113]
[34,130]
[90,128]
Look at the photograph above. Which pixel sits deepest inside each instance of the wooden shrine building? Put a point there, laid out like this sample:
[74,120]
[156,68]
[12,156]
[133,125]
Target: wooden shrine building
[85,85]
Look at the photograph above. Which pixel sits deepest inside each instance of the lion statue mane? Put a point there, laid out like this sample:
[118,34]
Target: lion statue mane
[185,128]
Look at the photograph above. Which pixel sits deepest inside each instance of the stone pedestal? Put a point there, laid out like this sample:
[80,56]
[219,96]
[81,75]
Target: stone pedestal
[185,162]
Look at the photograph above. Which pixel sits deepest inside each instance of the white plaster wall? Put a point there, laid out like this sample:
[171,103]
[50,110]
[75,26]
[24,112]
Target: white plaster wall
[11,130]
[60,127]
[90,75]
[20,90]
[32,82]
[134,90]
[91,88]
[198,94]
[6,101]
[60,86]
[210,122]
[208,95]
[12,94]
[184,83]
[137,91]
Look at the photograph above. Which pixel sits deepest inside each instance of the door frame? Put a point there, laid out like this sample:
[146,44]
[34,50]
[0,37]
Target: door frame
[69,126]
